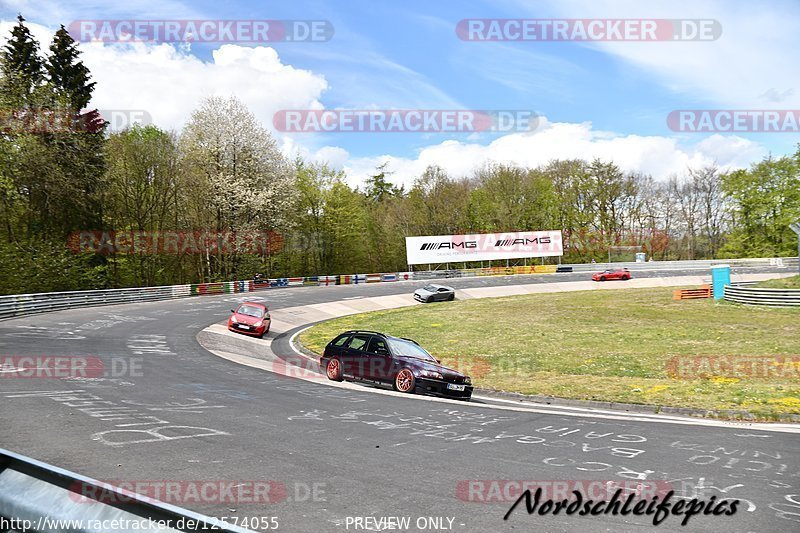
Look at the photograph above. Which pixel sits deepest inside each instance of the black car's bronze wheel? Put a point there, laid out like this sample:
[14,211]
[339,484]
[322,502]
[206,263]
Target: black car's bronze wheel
[334,370]
[405,381]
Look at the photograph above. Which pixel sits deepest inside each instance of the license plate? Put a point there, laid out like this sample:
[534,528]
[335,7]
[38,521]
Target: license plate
[243,326]
[455,387]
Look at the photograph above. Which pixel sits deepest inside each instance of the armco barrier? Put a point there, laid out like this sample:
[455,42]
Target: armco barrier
[37,493]
[762,296]
[28,304]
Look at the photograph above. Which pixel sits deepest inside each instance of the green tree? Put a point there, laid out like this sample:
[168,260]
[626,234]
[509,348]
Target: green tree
[237,179]
[765,199]
[21,66]
[378,188]
[142,184]
[69,77]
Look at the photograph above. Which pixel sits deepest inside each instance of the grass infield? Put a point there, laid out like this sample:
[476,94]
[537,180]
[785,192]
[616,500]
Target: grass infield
[631,346]
[781,283]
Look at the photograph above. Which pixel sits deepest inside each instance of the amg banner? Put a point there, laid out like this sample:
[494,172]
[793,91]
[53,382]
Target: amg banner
[483,247]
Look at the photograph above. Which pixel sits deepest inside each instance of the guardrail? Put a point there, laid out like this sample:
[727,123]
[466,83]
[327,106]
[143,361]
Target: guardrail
[762,296]
[779,262]
[36,496]
[28,304]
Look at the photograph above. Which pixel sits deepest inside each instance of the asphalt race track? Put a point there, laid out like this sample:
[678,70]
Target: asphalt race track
[167,410]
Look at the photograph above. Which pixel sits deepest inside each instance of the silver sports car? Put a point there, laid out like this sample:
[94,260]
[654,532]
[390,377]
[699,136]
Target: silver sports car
[434,293]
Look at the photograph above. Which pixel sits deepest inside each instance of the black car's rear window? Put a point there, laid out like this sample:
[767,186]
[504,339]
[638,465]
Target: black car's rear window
[378,346]
[358,342]
[340,340]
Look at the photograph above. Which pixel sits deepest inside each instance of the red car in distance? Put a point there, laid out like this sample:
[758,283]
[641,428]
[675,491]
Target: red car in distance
[250,318]
[605,275]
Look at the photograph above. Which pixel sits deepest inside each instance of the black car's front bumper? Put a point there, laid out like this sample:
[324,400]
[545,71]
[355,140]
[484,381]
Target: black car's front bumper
[439,388]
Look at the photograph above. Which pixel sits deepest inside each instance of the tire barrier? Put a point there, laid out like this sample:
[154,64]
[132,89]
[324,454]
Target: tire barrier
[762,296]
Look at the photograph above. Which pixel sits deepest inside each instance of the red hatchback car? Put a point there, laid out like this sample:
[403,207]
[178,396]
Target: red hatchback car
[620,273]
[250,318]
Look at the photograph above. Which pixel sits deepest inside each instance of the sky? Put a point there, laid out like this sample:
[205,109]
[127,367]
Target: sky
[593,98]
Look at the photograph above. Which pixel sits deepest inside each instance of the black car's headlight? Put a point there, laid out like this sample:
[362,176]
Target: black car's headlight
[430,374]
[468,380]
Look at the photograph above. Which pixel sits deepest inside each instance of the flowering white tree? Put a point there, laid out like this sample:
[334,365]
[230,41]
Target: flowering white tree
[237,178]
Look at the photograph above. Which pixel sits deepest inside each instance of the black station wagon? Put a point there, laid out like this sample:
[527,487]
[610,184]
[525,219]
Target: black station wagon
[379,358]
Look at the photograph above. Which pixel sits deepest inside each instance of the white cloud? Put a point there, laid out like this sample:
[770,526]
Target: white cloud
[655,155]
[168,82]
[751,57]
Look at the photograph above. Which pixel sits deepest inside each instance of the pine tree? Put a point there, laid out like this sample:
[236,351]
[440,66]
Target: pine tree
[69,77]
[21,66]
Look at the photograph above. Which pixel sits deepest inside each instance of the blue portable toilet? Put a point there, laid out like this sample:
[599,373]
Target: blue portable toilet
[720,276]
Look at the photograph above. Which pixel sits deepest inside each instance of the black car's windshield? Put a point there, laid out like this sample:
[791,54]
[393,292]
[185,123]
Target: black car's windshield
[409,349]
[251,310]
[429,288]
